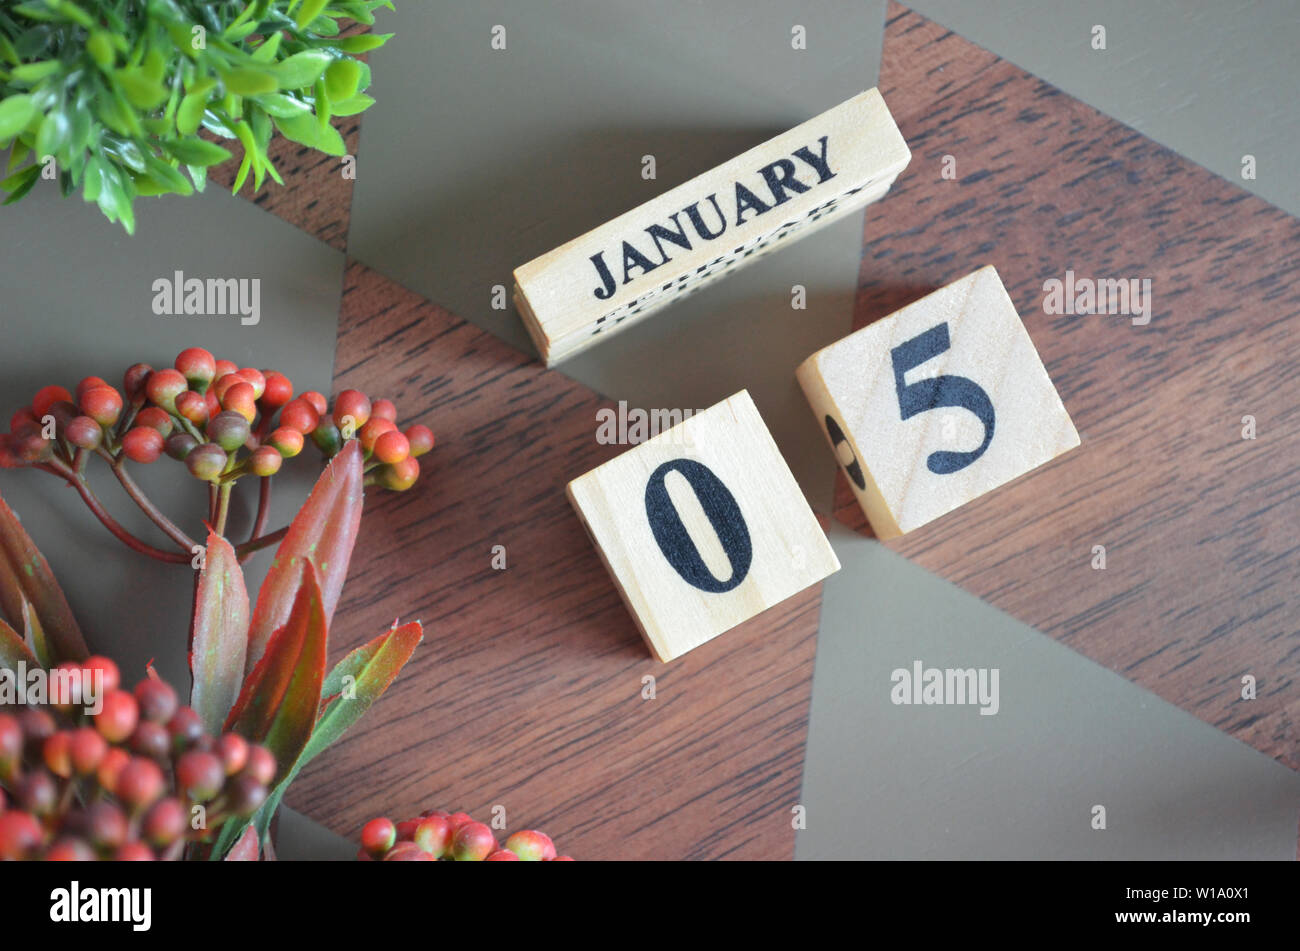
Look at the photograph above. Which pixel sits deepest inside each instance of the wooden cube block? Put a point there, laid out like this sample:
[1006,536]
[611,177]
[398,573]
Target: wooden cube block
[626,269]
[937,403]
[702,527]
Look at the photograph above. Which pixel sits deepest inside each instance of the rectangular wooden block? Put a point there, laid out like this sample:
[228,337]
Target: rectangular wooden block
[702,527]
[675,244]
[937,404]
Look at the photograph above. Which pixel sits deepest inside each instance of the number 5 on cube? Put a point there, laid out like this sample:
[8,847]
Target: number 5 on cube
[936,404]
[702,527]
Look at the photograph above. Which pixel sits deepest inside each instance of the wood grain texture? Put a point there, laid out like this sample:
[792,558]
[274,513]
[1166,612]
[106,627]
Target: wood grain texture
[527,691]
[751,541]
[1202,584]
[936,404]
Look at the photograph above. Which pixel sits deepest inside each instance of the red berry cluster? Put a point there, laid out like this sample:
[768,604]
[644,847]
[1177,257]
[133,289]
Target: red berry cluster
[122,783]
[204,411]
[450,837]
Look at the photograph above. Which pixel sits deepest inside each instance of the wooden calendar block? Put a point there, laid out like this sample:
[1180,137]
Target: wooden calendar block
[702,527]
[626,269]
[937,404]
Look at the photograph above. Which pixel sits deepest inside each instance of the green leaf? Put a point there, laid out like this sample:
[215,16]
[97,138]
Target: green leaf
[280,106]
[322,534]
[363,42]
[219,637]
[14,650]
[31,73]
[25,576]
[341,79]
[266,52]
[198,175]
[141,91]
[15,113]
[281,696]
[249,82]
[34,636]
[20,183]
[190,113]
[54,134]
[302,69]
[309,11]
[351,107]
[195,151]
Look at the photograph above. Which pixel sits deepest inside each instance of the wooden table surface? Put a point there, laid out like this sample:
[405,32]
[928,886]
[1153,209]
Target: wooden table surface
[528,690]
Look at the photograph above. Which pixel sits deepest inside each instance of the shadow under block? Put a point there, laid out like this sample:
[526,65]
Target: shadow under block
[702,527]
[695,233]
[937,404]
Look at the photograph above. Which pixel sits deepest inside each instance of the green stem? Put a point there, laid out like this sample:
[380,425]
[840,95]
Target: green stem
[223,508]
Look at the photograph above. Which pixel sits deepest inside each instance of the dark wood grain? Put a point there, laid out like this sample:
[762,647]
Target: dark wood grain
[1201,527]
[527,689]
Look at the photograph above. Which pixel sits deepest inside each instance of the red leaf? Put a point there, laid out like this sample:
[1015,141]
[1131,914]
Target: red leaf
[219,638]
[278,703]
[14,650]
[323,534]
[24,572]
[245,849]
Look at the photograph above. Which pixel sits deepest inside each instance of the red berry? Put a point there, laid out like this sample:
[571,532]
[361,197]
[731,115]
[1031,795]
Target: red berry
[143,445]
[261,764]
[111,766]
[103,673]
[354,404]
[87,749]
[180,445]
[562,858]
[265,461]
[255,378]
[84,433]
[68,687]
[198,366]
[133,852]
[399,476]
[186,729]
[164,823]
[157,699]
[383,409]
[200,775]
[278,390]
[57,753]
[244,794]
[11,741]
[241,398]
[139,783]
[151,740]
[372,430]
[192,406]
[286,441]
[20,834]
[46,397]
[407,852]
[103,404]
[117,717]
[212,403]
[316,401]
[473,842]
[458,819]
[378,836]
[106,825]
[406,830]
[229,429]
[223,368]
[135,380]
[233,751]
[88,383]
[155,418]
[206,462]
[420,438]
[37,793]
[299,414]
[531,846]
[502,855]
[163,386]
[433,835]
[392,448]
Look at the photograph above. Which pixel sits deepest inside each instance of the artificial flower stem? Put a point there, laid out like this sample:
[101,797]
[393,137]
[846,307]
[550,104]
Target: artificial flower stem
[257,544]
[122,535]
[223,507]
[149,509]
